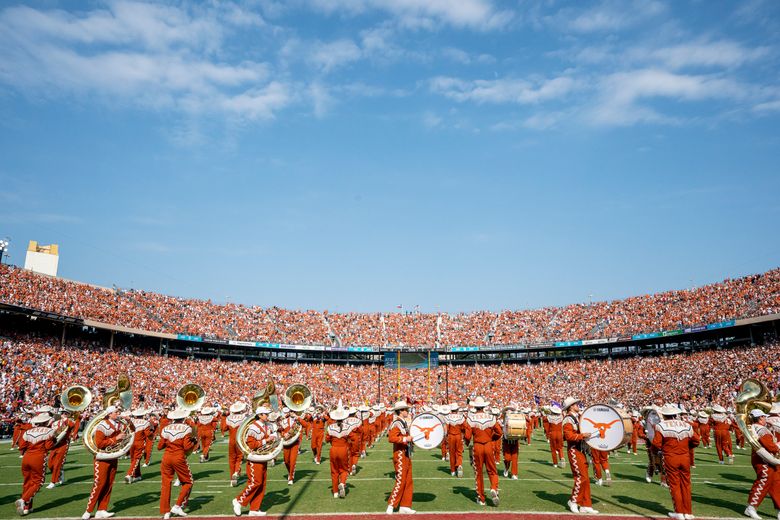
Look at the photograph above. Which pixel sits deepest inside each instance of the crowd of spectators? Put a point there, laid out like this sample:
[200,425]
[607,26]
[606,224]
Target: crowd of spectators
[748,296]
[35,369]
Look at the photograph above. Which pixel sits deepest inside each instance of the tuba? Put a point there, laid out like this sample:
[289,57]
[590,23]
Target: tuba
[190,397]
[122,397]
[753,394]
[76,398]
[271,450]
[297,398]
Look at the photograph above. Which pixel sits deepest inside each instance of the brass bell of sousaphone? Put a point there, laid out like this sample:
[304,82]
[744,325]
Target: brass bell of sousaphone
[297,398]
[190,397]
[76,398]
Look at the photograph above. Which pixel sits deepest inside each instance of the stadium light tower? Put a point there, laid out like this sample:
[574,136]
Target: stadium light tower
[4,247]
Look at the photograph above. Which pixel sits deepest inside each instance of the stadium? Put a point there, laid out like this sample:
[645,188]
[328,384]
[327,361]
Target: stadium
[58,333]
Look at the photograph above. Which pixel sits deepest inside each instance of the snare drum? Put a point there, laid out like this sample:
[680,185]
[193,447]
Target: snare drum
[515,426]
[613,425]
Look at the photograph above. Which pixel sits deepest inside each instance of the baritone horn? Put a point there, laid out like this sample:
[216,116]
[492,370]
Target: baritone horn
[190,397]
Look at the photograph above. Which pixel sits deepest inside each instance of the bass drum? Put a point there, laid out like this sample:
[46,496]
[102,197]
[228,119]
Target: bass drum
[427,431]
[515,426]
[613,425]
[651,420]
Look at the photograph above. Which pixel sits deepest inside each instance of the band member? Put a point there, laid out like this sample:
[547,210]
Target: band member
[153,431]
[317,434]
[288,423]
[355,436]
[337,434]
[497,443]
[178,441]
[207,425]
[721,426]
[140,436]
[580,501]
[766,474]
[773,422]
[529,430]
[21,425]
[441,413]
[235,456]
[483,429]
[636,423]
[601,466]
[690,418]
[59,452]
[35,444]
[259,433]
[108,432]
[675,438]
[401,439]
[555,435]
[456,429]
[364,412]
[510,449]
[704,428]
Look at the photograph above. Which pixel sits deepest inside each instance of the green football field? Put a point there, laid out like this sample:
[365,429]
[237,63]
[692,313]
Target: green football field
[718,490]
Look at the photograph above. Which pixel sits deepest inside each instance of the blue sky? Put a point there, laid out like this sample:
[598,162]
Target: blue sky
[358,155]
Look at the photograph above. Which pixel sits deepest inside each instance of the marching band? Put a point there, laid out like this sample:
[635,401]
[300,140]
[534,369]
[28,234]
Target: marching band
[260,431]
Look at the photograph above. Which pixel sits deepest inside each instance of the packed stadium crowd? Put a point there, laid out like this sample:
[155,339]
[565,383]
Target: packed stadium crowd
[35,369]
[748,296]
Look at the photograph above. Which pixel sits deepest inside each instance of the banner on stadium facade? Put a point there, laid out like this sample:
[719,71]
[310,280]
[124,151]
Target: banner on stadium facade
[577,343]
[411,360]
[648,335]
[594,341]
[671,332]
[242,343]
[464,349]
[696,329]
[721,325]
[360,349]
[186,337]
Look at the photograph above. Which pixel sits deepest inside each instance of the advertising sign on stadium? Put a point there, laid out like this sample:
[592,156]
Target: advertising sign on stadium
[696,329]
[594,341]
[647,335]
[186,337]
[568,343]
[671,332]
[242,343]
[721,325]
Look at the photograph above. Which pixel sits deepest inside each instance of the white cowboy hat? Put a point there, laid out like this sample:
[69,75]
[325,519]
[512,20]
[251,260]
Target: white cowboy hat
[555,410]
[206,410]
[140,412]
[444,409]
[718,409]
[400,405]
[703,414]
[338,414]
[41,418]
[669,409]
[262,409]
[775,410]
[178,413]
[756,413]
[285,410]
[568,402]
[45,409]
[479,402]
[273,416]
[364,408]
[237,407]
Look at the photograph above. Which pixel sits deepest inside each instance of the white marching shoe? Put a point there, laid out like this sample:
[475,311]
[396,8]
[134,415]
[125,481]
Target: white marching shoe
[388,511]
[676,516]
[588,511]
[86,515]
[599,482]
[257,513]
[51,485]
[236,507]
[167,516]
[178,511]
[176,483]
[494,497]
[573,507]
[406,510]
[751,512]
[103,514]
[342,490]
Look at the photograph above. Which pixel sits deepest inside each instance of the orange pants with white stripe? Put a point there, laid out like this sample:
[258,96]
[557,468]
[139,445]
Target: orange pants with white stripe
[678,476]
[483,456]
[253,493]
[403,489]
[57,461]
[580,493]
[103,483]
[33,468]
[291,459]
[174,465]
[767,481]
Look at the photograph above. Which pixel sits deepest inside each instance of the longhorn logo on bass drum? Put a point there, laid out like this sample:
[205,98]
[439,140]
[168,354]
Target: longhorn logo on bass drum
[427,431]
[613,426]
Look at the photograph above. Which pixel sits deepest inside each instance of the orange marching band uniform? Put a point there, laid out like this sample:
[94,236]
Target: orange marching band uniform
[178,441]
[555,435]
[767,476]
[580,501]
[235,456]
[59,452]
[510,450]
[456,430]
[337,435]
[401,439]
[141,436]
[483,429]
[721,427]
[259,434]
[208,421]
[290,421]
[108,432]
[35,443]
[675,438]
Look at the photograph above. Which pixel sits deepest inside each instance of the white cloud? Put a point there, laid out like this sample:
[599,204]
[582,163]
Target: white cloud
[321,99]
[700,54]
[622,94]
[769,106]
[461,56]
[137,53]
[328,56]
[425,14]
[609,15]
[518,91]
